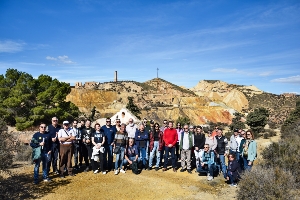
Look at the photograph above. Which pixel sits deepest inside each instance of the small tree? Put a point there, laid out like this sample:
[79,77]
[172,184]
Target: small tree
[183,120]
[258,119]
[236,122]
[133,108]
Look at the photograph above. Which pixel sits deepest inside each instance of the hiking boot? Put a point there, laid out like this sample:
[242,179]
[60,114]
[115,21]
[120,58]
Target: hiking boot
[182,170]
[116,172]
[189,171]
[164,169]
[62,176]
[123,171]
[72,174]
[174,169]
[87,169]
[156,168]
[149,168]
[36,182]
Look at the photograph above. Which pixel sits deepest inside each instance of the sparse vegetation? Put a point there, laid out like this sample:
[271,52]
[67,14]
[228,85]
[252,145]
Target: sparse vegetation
[257,120]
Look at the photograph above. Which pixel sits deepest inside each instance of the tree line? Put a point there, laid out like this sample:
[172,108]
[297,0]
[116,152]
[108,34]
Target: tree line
[26,101]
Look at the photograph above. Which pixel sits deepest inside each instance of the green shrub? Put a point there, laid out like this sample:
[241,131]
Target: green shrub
[285,154]
[266,183]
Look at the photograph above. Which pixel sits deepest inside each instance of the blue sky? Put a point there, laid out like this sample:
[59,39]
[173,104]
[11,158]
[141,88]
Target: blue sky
[240,42]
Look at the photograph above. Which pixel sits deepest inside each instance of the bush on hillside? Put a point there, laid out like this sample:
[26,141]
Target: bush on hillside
[266,183]
[285,154]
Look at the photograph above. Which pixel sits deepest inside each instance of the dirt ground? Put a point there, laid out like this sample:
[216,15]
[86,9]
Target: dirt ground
[147,185]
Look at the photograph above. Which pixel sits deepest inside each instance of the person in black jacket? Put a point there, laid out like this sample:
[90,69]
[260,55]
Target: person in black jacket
[221,150]
[199,138]
[87,147]
[233,170]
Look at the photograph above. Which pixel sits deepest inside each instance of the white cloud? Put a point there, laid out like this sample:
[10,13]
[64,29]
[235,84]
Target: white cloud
[62,59]
[291,79]
[225,70]
[36,64]
[11,46]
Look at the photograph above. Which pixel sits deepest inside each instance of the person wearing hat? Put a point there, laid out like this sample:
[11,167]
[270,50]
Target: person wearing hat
[66,139]
[234,144]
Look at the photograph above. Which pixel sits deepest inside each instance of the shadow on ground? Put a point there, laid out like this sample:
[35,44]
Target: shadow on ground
[21,187]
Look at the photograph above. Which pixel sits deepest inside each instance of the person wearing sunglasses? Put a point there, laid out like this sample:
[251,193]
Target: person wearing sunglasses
[41,143]
[249,151]
[53,129]
[156,145]
[207,164]
[109,132]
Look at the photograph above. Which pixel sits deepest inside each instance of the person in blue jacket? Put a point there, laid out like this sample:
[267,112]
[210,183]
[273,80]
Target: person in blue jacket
[42,140]
[141,137]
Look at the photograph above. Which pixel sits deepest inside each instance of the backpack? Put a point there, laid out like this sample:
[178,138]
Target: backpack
[134,167]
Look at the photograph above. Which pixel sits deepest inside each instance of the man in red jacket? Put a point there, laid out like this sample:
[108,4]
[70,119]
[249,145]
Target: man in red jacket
[170,138]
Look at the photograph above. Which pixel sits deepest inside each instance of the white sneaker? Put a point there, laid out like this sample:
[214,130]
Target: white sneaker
[210,178]
[123,171]
[104,172]
[96,171]
[116,172]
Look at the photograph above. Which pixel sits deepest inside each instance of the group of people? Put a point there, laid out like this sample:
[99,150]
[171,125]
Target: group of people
[147,145]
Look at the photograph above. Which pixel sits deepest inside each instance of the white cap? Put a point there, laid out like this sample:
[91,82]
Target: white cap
[66,122]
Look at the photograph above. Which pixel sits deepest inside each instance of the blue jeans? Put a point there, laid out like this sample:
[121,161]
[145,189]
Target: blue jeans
[125,162]
[108,157]
[246,166]
[209,168]
[147,150]
[45,158]
[173,156]
[153,152]
[142,151]
[222,165]
[54,158]
[119,158]
[230,177]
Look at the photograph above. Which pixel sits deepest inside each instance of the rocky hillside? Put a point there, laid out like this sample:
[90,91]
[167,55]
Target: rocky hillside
[209,100]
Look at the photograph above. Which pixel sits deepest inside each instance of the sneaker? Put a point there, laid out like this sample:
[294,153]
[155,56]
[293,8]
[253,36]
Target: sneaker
[233,185]
[189,171]
[149,168]
[123,171]
[35,182]
[72,174]
[96,171]
[174,169]
[104,172]
[62,176]
[156,168]
[87,169]
[182,170]
[47,180]
[164,169]
[116,172]
[56,172]
[209,178]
